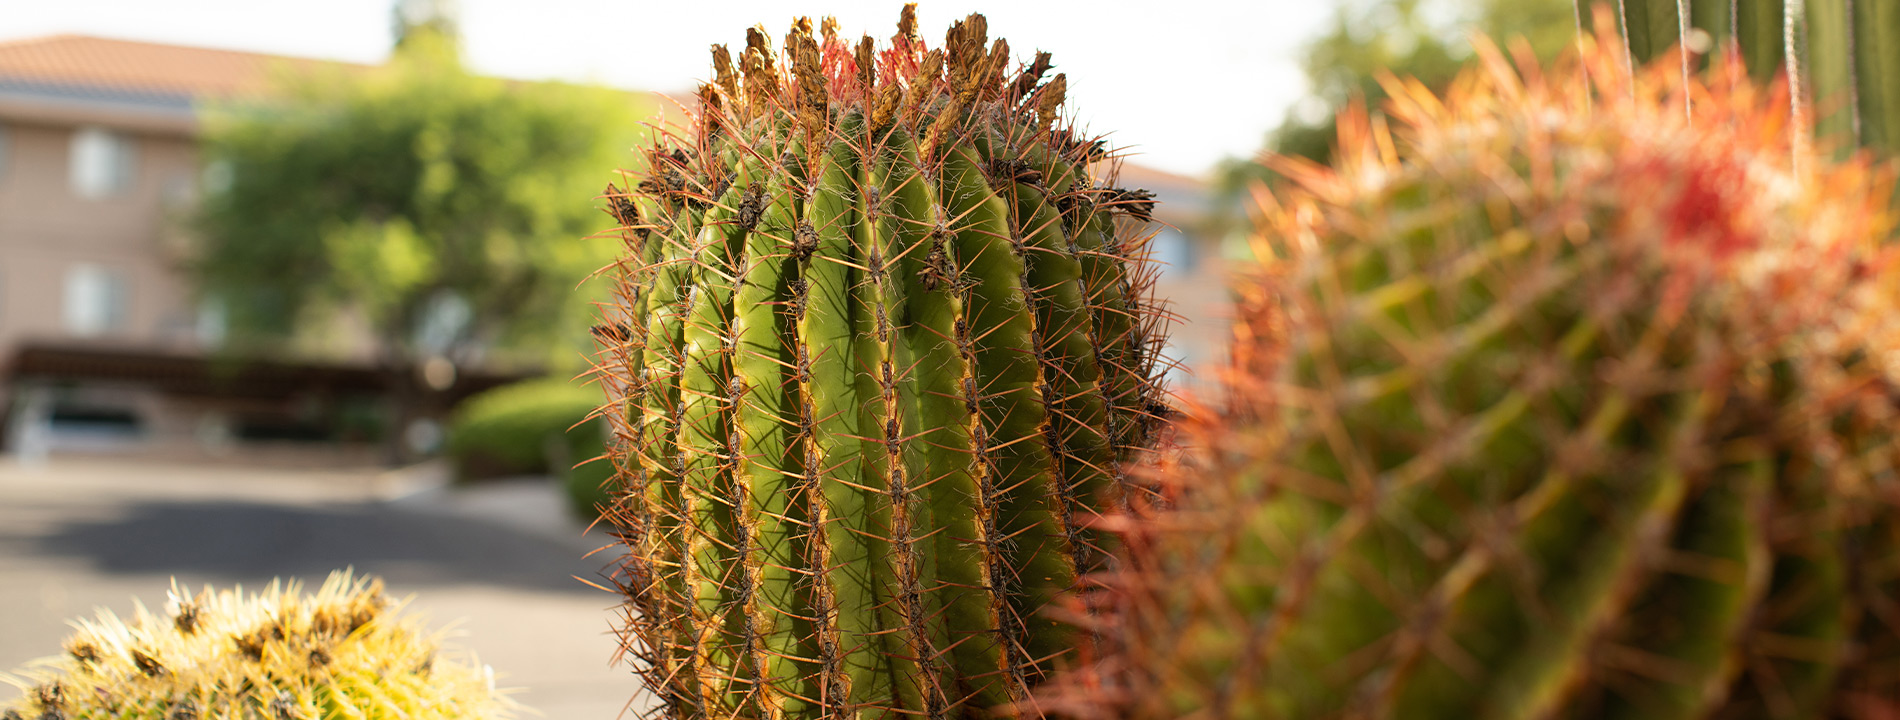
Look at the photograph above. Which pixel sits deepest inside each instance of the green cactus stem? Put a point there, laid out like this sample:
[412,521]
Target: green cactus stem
[881,347]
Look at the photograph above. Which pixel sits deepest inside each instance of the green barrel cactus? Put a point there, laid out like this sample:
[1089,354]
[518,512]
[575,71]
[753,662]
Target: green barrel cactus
[1551,401]
[1843,55]
[340,653]
[881,345]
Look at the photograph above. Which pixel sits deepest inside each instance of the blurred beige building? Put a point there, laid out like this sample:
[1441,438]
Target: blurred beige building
[98,158]
[103,343]
[1191,279]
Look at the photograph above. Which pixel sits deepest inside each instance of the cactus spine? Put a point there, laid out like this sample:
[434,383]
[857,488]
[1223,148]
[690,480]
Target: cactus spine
[1843,55]
[339,653]
[1553,403]
[880,346]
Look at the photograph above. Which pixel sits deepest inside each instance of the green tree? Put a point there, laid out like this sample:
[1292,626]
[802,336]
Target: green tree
[433,206]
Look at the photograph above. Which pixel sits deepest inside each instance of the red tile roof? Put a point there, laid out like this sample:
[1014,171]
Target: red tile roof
[138,67]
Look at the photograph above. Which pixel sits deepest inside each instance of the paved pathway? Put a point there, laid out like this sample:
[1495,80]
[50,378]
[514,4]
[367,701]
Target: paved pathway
[497,562]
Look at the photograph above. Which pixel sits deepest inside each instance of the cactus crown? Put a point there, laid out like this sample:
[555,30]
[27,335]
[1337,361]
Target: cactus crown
[341,652]
[880,348]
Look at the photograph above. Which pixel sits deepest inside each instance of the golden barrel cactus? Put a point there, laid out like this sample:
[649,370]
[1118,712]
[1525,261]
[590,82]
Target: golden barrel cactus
[341,653]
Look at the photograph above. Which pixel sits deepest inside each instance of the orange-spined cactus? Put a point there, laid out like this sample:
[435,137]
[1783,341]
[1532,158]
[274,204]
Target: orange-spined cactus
[880,347]
[1562,397]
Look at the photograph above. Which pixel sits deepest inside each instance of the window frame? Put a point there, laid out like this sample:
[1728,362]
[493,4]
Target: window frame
[90,285]
[101,162]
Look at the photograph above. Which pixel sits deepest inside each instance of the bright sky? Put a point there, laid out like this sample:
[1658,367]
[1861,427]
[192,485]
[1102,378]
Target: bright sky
[1181,83]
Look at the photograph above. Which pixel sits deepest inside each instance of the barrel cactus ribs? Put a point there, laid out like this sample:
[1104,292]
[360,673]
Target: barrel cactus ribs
[881,345]
[1562,397]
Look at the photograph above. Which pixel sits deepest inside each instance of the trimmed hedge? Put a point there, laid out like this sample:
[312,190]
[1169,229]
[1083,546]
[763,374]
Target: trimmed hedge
[538,427]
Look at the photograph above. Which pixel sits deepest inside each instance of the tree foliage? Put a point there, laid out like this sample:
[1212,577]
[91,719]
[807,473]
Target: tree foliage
[443,210]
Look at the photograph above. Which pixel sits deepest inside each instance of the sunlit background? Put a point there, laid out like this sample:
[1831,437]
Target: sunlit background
[1183,84]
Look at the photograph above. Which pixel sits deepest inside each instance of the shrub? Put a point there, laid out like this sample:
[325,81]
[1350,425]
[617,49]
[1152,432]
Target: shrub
[528,428]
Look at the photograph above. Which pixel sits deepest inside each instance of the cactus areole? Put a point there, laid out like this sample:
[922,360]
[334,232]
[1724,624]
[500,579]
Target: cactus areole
[880,346]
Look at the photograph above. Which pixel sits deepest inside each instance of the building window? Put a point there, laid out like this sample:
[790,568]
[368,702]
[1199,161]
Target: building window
[103,162]
[95,300]
[1174,251]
